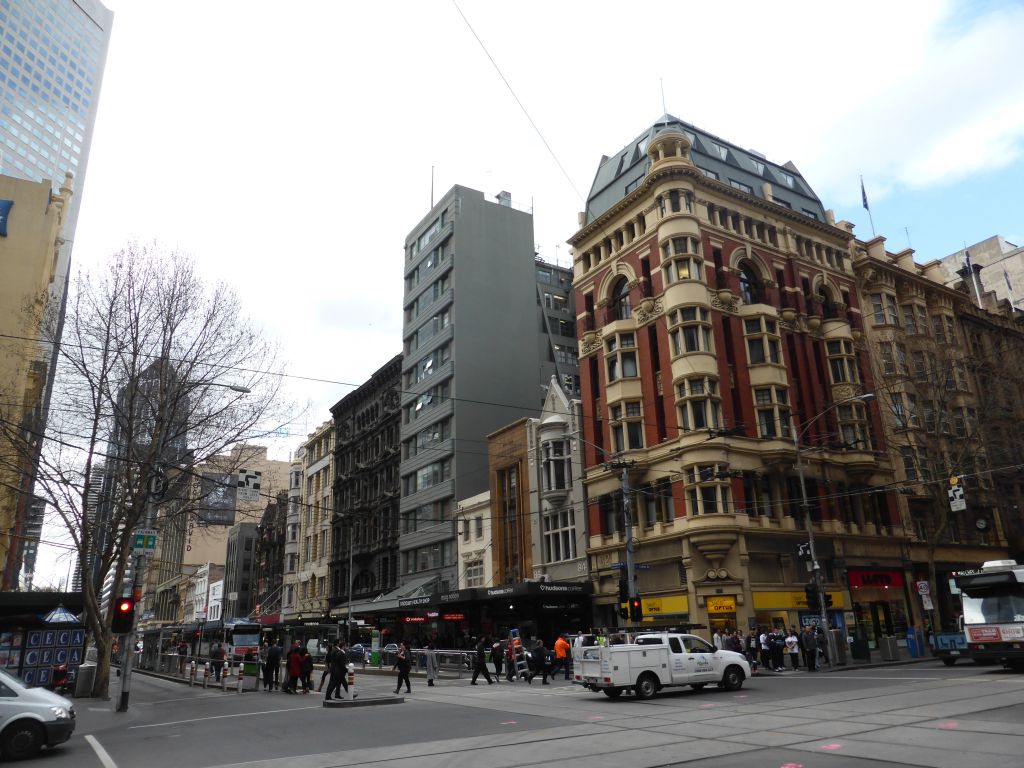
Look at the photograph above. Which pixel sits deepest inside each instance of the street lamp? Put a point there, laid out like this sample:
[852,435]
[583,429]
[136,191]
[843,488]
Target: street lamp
[819,587]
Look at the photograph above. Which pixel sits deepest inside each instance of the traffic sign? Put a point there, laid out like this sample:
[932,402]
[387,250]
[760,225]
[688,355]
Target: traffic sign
[144,542]
[957,503]
[923,588]
[803,551]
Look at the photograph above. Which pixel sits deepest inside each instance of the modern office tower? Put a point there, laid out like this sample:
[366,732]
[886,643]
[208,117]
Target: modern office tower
[558,327]
[472,363]
[52,56]
[239,570]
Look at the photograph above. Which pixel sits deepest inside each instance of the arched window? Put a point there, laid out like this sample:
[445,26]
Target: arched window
[620,300]
[751,290]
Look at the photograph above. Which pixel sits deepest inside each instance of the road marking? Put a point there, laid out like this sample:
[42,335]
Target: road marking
[101,754]
[187,698]
[901,679]
[222,717]
[509,722]
[949,725]
[831,747]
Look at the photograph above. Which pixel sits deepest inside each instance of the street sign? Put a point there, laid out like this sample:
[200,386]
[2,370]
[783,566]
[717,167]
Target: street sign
[926,601]
[803,551]
[249,484]
[144,542]
[957,503]
[923,588]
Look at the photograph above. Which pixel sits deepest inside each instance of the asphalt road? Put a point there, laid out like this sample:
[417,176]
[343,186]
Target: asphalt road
[917,715]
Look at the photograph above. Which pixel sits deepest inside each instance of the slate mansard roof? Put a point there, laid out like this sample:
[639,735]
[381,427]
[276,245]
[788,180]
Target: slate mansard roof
[619,174]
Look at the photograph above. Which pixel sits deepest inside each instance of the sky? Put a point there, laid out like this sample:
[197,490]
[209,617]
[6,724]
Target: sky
[290,148]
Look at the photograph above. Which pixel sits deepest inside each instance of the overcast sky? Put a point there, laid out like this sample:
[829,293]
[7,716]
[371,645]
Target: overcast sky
[289,147]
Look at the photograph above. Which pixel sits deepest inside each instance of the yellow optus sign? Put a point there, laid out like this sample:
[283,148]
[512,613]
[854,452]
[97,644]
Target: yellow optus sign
[769,601]
[663,606]
[725,604]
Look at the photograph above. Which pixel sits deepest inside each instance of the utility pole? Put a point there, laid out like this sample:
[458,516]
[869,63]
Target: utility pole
[627,520]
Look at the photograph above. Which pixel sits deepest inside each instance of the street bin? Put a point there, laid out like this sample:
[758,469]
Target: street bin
[374,658]
[84,679]
[859,649]
[889,648]
[914,644]
[837,647]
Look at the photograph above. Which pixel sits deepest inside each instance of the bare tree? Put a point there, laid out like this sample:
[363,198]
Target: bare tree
[157,372]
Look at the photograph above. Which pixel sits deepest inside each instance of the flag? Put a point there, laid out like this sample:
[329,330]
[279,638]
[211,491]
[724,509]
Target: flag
[1006,277]
[967,261]
[864,195]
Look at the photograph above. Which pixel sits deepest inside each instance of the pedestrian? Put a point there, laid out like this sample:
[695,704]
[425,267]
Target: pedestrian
[793,648]
[432,668]
[307,671]
[217,661]
[716,639]
[539,663]
[403,665]
[510,659]
[497,654]
[274,665]
[182,654]
[293,666]
[777,644]
[264,668]
[809,646]
[480,667]
[734,642]
[822,644]
[762,644]
[337,666]
[752,647]
[563,656]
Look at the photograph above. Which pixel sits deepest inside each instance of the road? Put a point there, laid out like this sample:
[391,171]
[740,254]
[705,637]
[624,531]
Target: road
[917,715]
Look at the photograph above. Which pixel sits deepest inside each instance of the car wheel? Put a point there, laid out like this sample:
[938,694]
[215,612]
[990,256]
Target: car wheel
[21,740]
[612,693]
[646,686]
[733,679]
[949,661]
[698,686]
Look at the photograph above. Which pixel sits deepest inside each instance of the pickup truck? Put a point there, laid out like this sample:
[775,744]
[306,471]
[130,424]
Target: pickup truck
[655,661]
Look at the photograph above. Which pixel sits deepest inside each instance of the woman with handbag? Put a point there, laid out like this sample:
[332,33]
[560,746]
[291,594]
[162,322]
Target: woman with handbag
[403,665]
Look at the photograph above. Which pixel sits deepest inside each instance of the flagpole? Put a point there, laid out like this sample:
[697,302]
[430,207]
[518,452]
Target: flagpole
[864,200]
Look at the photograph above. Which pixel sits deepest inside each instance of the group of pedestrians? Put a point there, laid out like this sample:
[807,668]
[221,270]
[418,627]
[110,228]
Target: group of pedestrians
[298,665]
[768,646]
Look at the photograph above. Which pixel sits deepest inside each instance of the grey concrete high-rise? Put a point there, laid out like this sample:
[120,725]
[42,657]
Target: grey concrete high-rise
[477,352]
[239,570]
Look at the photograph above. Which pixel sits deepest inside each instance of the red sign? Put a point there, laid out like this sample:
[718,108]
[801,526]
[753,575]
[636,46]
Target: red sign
[876,579]
[415,619]
[983,634]
[454,617]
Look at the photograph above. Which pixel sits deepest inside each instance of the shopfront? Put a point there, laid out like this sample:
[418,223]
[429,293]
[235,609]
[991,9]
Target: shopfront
[879,603]
[789,609]
[666,609]
[721,612]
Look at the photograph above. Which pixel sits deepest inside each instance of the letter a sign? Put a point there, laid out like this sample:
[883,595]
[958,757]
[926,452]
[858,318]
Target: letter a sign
[957,503]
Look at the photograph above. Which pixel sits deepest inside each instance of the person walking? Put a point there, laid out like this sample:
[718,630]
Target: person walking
[793,648]
[274,665]
[539,662]
[809,646]
[777,644]
[293,665]
[182,655]
[497,654]
[307,670]
[264,669]
[563,656]
[403,665]
[480,667]
[432,667]
[217,661]
[337,665]
[716,639]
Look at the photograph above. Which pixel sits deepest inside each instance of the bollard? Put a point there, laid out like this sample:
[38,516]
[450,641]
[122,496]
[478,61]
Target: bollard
[206,674]
[192,673]
[241,677]
[223,682]
[351,681]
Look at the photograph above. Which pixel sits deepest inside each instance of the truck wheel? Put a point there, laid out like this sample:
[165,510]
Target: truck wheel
[21,740]
[698,686]
[949,661]
[646,686]
[612,693]
[732,680]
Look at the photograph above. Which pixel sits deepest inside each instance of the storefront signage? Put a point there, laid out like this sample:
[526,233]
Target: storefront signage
[431,614]
[454,597]
[568,589]
[670,605]
[726,604]
[405,602]
[875,579]
[500,591]
[453,617]
[774,601]
[415,619]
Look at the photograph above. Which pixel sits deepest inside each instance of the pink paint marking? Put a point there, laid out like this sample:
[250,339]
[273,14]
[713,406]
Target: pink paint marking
[706,706]
[596,717]
[509,722]
[949,725]
[832,747]
[743,696]
[792,765]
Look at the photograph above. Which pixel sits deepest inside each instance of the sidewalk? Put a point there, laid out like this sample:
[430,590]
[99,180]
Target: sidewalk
[875,662]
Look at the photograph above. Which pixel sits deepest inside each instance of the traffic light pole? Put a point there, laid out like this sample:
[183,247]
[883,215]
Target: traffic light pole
[819,587]
[129,652]
[627,520]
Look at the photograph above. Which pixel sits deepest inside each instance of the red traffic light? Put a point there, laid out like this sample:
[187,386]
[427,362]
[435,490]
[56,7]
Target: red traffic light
[125,606]
[122,621]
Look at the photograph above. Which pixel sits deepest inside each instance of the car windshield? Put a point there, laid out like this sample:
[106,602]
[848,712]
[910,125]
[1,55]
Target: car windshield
[10,680]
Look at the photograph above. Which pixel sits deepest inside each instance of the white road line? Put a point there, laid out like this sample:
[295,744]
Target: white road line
[865,677]
[222,717]
[105,760]
[187,698]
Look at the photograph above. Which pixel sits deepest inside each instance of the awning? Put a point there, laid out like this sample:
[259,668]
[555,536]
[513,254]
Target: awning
[414,588]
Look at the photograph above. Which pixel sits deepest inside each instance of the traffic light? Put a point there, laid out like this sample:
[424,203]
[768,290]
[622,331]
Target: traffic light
[813,604]
[623,598]
[636,610]
[123,620]
[828,600]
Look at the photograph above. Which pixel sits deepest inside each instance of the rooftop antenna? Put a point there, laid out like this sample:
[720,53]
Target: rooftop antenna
[664,109]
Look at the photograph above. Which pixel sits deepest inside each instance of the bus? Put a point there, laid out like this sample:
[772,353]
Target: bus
[242,640]
[993,618]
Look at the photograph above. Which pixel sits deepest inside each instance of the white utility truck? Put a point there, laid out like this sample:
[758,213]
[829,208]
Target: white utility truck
[657,660]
